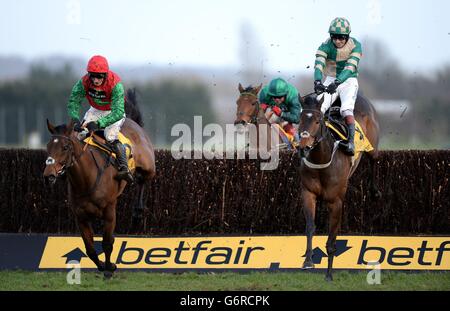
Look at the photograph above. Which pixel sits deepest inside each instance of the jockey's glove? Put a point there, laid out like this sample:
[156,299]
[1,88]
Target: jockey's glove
[319,88]
[77,125]
[264,106]
[276,110]
[92,126]
[333,86]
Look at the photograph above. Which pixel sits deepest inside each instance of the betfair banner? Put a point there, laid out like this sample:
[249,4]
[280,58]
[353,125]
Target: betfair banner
[228,253]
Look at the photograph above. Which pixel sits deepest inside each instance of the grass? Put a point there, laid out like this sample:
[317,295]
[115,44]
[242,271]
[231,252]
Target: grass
[261,281]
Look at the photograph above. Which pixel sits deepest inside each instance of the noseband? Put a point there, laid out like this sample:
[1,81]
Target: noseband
[73,158]
[317,140]
[306,134]
[254,117]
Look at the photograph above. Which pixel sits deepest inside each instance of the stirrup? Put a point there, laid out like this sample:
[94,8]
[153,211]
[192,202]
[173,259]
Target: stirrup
[348,151]
[125,174]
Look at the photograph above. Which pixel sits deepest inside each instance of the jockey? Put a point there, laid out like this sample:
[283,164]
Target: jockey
[105,93]
[339,56]
[282,98]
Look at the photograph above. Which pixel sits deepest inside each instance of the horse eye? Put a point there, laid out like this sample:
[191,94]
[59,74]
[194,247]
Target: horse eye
[66,147]
[253,103]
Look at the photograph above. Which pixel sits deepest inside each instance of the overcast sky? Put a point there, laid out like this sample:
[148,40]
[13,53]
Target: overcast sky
[207,33]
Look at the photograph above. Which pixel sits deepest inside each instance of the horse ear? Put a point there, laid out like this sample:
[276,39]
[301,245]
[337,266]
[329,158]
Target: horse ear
[50,127]
[258,88]
[240,88]
[70,127]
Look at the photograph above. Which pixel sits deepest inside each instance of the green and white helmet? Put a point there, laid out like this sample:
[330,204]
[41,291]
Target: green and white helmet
[340,26]
[278,87]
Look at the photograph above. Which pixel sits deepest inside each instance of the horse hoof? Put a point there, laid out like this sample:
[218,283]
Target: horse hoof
[112,267]
[329,278]
[101,266]
[108,274]
[307,265]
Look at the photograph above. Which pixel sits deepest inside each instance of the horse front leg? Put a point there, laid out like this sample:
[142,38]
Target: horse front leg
[309,210]
[335,216]
[109,218]
[88,238]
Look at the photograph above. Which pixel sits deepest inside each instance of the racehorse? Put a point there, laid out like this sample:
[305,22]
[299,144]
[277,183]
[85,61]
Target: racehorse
[93,189]
[267,136]
[325,169]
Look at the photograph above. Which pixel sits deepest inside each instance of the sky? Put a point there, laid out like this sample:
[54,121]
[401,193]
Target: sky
[285,34]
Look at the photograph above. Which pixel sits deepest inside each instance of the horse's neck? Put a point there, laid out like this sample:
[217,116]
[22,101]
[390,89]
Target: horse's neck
[81,174]
[264,131]
[324,149]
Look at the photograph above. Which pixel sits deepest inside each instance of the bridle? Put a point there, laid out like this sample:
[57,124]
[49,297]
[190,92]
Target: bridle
[317,139]
[73,157]
[306,134]
[253,118]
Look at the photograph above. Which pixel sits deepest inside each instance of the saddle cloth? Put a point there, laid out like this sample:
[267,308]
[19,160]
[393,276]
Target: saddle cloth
[288,139]
[362,143]
[123,139]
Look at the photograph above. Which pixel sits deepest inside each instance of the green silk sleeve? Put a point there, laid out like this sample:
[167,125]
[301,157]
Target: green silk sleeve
[75,100]
[117,107]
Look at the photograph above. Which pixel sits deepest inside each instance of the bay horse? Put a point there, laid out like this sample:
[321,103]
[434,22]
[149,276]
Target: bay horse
[325,169]
[248,112]
[93,189]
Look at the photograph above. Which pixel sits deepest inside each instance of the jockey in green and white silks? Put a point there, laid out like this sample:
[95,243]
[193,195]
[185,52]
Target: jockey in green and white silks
[338,58]
[282,99]
[105,93]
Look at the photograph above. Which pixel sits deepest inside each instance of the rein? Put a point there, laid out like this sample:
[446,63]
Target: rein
[254,118]
[317,141]
[74,158]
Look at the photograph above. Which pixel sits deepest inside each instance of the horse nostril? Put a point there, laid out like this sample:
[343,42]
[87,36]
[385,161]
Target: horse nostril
[50,180]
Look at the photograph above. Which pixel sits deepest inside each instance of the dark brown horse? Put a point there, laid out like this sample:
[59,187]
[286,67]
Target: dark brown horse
[248,112]
[325,169]
[93,189]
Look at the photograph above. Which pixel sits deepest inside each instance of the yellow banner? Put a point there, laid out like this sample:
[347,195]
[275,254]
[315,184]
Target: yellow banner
[255,252]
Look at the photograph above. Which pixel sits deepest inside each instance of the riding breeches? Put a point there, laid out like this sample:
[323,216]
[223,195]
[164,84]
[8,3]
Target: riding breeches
[347,91]
[111,131]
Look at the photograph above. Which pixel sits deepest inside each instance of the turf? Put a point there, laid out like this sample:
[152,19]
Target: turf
[297,281]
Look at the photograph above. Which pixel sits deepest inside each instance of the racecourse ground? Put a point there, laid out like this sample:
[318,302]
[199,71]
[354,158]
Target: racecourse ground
[258,281]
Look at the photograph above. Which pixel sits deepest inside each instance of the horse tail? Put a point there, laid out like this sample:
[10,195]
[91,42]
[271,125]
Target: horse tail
[131,107]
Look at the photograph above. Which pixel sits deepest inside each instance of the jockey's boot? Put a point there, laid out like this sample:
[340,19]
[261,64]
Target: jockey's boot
[350,146]
[124,172]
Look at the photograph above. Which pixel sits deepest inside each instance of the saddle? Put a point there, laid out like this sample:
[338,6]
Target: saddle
[336,122]
[98,140]
[339,130]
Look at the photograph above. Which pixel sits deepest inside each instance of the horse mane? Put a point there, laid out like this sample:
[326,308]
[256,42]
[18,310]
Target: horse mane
[61,129]
[310,101]
[131,107]
[249,88]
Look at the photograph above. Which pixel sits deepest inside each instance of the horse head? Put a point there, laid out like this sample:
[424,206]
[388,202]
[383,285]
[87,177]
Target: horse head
[247,105]
[311,123]
[60,150]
